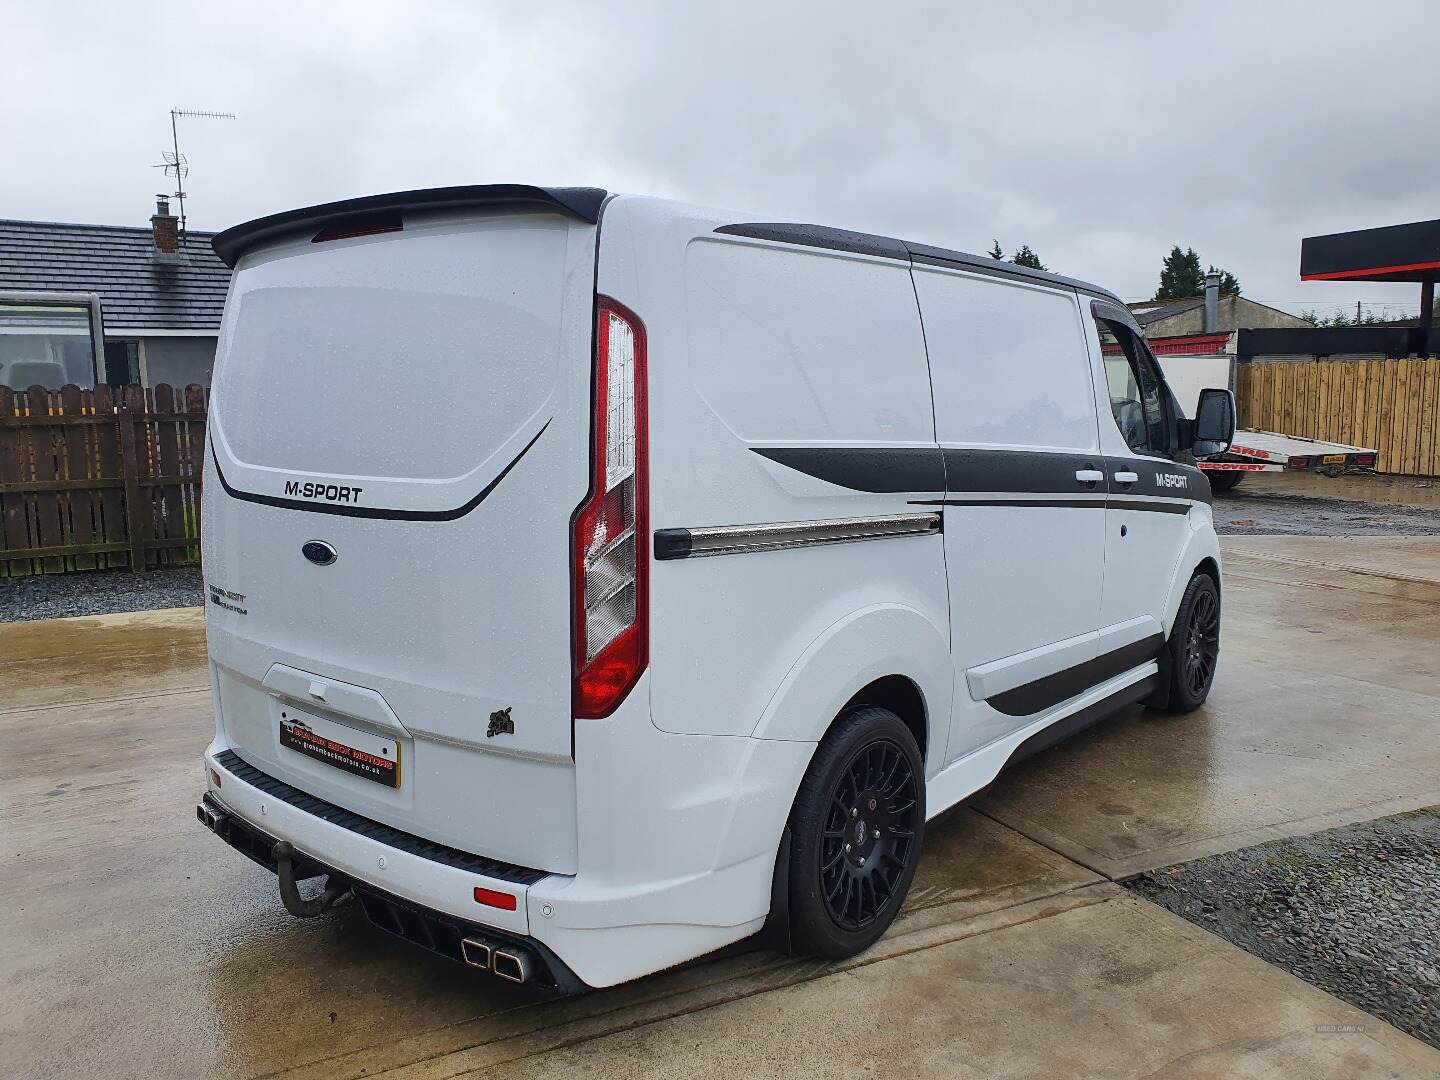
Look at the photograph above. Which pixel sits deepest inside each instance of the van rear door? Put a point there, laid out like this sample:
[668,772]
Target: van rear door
[399,435]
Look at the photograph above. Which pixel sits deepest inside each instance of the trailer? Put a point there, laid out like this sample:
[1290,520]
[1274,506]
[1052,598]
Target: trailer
[1254,450]
[1269,451]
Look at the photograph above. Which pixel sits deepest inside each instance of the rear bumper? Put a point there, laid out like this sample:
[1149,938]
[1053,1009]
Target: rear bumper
[441,933]
[674,870]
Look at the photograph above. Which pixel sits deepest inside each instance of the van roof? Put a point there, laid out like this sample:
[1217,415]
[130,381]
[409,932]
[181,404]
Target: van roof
[889,247]
[585,203]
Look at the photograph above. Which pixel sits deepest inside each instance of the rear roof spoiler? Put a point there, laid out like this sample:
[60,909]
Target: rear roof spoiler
[581,202]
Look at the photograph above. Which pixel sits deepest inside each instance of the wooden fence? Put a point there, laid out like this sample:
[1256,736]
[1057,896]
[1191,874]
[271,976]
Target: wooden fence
[1391,406]
[100,478]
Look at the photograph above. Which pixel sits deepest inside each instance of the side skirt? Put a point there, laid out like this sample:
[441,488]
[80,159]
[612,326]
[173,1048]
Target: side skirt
[963,778]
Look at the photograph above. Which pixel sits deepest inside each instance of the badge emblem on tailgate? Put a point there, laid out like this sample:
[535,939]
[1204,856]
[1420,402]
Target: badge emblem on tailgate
[500,723]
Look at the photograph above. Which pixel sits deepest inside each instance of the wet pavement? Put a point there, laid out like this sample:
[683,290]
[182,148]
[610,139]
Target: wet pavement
[1309,504]
[135,944]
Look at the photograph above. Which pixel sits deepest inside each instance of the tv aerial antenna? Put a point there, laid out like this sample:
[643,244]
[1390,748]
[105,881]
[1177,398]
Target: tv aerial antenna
[175,163]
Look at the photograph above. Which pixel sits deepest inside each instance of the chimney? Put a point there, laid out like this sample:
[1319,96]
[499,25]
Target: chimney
[1212,301]
[165,229]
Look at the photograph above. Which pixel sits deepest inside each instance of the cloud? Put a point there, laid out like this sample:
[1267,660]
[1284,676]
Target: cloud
[1097,136]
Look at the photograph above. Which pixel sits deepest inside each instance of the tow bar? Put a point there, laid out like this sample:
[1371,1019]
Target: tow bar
[284,855]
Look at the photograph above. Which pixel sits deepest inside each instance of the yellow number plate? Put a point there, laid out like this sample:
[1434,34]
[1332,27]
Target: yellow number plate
[1333,459]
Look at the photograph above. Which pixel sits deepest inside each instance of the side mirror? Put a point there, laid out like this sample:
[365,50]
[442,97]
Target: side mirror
[1214,423]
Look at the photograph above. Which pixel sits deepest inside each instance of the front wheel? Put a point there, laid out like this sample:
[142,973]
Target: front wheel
[1194,644]
[856,830]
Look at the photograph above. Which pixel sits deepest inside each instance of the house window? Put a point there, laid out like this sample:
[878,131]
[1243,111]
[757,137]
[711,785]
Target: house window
[44,343]
[122,363]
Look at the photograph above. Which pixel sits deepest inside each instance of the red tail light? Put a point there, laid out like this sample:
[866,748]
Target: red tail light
[610,586]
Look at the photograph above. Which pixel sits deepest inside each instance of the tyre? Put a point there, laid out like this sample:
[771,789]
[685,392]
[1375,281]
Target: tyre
[856,829]
[1194,645]
[1221,482]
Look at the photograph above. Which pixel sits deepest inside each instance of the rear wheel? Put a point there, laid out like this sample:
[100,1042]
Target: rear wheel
[856,830]
[1228,480]
[1194,644]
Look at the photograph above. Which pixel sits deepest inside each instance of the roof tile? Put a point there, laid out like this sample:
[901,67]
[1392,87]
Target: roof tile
[116,262]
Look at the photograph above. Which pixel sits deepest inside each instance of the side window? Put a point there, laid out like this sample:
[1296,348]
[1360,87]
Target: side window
[1137,394]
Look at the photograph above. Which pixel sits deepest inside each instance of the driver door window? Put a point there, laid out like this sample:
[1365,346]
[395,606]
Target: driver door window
[1137,396]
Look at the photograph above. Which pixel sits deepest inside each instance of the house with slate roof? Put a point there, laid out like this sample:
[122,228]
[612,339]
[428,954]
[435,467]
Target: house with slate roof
[89,304]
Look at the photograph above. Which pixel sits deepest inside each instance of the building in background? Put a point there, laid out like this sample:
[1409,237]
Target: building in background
[89,304]
[1204,325]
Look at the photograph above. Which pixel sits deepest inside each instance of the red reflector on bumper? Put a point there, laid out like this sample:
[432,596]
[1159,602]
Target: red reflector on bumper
[490,898]
[216,777]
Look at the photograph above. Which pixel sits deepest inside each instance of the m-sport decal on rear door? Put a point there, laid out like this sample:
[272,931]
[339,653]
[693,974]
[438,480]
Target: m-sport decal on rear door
[326,498]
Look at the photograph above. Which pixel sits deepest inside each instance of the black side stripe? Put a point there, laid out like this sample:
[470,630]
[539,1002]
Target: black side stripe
[865,468]
[1036,697]
[995,475]
[369,511]
[1153,506]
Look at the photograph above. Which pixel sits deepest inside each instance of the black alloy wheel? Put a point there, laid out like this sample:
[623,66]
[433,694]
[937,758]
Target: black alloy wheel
[869,834]
[1202,643]
[856,831]
[1194,645]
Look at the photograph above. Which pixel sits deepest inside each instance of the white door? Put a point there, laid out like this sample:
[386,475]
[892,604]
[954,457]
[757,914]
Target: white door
[1147,518]
[1024,515]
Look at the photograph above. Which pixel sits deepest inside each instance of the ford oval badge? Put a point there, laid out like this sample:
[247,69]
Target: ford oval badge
[318,552]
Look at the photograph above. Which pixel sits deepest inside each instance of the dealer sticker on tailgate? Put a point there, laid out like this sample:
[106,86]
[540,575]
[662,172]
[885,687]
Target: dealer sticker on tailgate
[352,751]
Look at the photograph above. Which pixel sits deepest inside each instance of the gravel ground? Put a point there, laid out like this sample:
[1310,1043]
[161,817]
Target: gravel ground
[1355,911]
[59,596]
[1269,513]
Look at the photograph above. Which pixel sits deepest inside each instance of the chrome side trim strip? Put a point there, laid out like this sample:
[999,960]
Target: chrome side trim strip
[735,539]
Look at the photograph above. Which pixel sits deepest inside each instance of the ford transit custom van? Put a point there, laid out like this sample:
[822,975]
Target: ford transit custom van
[594,580]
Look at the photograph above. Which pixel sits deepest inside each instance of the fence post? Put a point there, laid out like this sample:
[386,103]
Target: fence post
[130,471]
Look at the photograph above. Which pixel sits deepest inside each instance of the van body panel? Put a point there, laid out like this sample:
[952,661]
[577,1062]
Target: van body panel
[754,346]
[1015,417]
[441,368]
[675,861]
[1148,520]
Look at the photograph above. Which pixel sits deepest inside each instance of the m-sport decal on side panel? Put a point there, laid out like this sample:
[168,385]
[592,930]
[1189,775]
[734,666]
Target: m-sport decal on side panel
[1159,477]
[963,477]
[343,508]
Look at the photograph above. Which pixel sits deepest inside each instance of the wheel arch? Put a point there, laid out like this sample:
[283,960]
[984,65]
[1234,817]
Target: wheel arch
[1201,555]
[899,695]
[887,655]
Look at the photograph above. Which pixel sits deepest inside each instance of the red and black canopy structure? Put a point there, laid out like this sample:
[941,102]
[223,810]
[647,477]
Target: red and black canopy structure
[1393,253]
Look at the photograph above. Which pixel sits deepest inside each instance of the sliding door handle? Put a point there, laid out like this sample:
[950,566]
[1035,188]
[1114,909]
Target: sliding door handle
[1126,477]
[1089,476]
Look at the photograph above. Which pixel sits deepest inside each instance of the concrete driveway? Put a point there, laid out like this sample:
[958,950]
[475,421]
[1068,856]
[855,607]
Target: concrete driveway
[134,944]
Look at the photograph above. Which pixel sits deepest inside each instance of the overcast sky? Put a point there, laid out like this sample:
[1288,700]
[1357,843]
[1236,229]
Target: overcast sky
[1099,134]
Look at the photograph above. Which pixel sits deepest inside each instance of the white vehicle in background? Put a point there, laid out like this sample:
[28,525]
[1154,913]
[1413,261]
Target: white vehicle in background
[594,580]
[1254,450]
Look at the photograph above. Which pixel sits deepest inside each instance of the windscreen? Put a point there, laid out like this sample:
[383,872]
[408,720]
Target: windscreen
[412,354]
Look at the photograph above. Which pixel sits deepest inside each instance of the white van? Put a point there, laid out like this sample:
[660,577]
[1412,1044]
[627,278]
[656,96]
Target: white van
[593,578]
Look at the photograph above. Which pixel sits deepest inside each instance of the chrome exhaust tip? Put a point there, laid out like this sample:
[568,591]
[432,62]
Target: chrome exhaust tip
[475,953]
[211,818]
[512,966]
